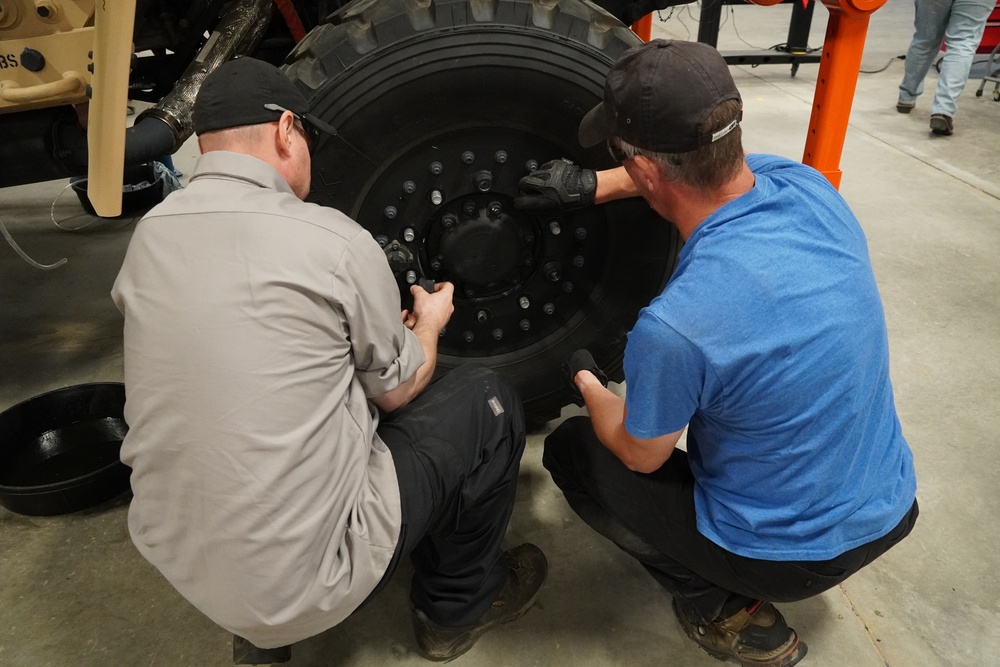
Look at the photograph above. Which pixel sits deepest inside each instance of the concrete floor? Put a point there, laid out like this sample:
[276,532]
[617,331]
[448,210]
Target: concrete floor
[73,590]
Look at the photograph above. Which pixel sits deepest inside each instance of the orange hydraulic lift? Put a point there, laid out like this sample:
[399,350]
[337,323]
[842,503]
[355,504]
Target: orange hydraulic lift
[839,66]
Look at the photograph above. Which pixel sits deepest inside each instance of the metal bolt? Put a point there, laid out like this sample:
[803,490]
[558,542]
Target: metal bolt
[436,264]
[482,317]
[578,261]
[409,235]
[436,168]
[529,238]
[495,208]
[549,308]
[567,287]
[483,181]
[389,212]
[531,165]
[500,157]
[382,240]
[524,302]
[580,233]
[469,209]
[469,336]
[553,271]
[409,187]
[555,227]
[497,334]
[524,324]
[437,197]
[411,276]
[468,157]
[449,221]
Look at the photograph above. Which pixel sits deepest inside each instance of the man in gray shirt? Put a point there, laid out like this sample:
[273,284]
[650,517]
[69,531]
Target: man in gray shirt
[288,445]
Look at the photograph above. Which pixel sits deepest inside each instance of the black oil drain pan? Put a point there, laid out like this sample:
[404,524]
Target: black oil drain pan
[59,450]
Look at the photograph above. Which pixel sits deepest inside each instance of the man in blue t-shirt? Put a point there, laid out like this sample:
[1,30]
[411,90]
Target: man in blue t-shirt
[768,344]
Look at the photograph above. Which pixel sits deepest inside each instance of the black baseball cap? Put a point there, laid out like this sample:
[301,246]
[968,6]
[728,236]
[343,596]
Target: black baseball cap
[658,95]
[245,91]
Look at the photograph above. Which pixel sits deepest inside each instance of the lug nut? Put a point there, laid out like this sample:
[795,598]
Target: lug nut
[382,240]
[500,157]
[567,287]
[553,271]
[482,317]
[524,302]
[524,324]
[436,168]
[483,181]
[468,157]
[468,336]
[389,212]
[409,187]
[555,227]
[580,233]
[497,334]
[531,165]
[578,261]
[437,197]
[549,308]
[408,234]
[411,277]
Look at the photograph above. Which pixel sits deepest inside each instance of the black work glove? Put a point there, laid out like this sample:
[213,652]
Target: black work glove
[558,184]
[582,360]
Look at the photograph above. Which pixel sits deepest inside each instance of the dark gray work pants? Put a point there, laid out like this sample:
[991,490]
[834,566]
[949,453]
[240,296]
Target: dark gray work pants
[652,518]
[456,448]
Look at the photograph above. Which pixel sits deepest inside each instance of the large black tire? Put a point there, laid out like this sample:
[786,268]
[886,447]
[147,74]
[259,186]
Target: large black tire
[441,107]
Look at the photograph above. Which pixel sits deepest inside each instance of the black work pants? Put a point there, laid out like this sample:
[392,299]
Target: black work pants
[456,448]
[652,518]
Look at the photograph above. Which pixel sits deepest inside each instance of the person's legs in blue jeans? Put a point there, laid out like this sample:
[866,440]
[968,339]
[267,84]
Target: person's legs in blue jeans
[962,36]
[929,24]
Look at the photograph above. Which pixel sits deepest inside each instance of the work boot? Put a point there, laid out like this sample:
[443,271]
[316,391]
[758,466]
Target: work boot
[526,567]
[942,124]
[754,637]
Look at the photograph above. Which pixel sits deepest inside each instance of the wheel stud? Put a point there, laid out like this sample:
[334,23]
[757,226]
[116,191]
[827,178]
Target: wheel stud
[500,157]
[567,287]
[468,336]
[437,197]
[409,187]
[468,157]
[409,234]
[411,276]
[495,208]
[469,209]
[436,264]
[555,227]
[549,308]
[524,324]
[483,181]
[553,271]
[436,168]
[524,302]
[389,212]
[382,240]
[497,334]
[578,261]
[580,233]
[531,165]
[482,317]
[449,221]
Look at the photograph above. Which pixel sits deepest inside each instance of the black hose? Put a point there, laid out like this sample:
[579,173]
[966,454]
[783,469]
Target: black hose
[147,140]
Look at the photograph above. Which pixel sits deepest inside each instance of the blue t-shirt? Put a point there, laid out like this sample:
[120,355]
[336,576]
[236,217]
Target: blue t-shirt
[769,342]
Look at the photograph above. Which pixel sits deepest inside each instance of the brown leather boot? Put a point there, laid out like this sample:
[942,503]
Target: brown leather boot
[754,637]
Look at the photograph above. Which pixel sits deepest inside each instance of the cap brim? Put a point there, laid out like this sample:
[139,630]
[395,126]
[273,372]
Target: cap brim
[594,127]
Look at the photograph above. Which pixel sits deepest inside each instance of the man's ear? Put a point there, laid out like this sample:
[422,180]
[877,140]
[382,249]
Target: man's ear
[647,171]
[284,136]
